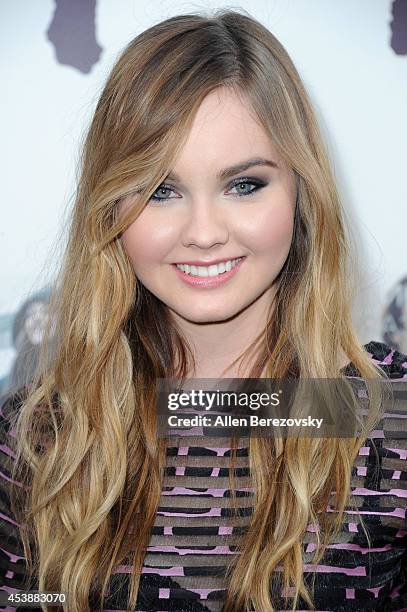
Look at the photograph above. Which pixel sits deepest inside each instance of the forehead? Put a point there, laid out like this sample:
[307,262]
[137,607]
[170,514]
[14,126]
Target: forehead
[224,131]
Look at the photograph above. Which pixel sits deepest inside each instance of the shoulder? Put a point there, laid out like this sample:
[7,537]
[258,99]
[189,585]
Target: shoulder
[390,360]
[10,405]
[13,573]
[381,476]
[390,435]
[394,364]
[393,424]
[9,408]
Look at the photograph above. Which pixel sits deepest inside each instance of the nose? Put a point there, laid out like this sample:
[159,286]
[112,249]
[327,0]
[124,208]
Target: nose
[205,225]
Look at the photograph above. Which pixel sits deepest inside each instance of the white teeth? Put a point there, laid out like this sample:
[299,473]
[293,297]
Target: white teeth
[213,270]
[202,271]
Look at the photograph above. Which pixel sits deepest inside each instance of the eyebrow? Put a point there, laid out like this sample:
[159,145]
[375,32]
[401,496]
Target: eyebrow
[241,167]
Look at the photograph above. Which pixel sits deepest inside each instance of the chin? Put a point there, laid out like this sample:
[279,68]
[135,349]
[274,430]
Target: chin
[209,315]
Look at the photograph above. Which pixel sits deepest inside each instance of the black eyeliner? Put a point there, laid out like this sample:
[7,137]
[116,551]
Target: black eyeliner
[259,183]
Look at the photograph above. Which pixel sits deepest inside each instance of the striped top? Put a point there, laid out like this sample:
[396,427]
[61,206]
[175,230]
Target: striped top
[193,537]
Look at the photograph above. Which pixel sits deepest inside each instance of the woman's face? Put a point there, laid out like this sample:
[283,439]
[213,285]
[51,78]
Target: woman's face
[201,219]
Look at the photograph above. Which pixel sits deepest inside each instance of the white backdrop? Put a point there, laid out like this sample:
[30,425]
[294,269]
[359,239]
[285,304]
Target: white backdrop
[344,53]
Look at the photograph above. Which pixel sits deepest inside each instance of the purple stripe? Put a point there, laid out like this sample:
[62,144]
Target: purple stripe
[203,593]
[177,570]
[389,359]
[220,451]
[3,475]
[191,492]
[400,512]
[396,492]
[377,433]
[216,550]
[212,512]
[10,520]
[375,590]
[400,451]
[327,569]
[10,590]
[343,546]
[7,450]
[13,558]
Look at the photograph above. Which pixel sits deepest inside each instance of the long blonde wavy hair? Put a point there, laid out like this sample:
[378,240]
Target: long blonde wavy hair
[86,432]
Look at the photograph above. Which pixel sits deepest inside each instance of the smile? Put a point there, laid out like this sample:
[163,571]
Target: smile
[209,277]
[213,270]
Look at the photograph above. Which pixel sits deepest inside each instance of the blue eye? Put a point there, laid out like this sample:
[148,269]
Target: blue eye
[237,182]
[247,181]
[161,188]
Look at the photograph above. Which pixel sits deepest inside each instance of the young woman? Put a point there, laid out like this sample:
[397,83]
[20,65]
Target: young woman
[207,240]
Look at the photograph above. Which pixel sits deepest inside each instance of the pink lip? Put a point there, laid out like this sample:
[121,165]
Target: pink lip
[208,281]
[206,263]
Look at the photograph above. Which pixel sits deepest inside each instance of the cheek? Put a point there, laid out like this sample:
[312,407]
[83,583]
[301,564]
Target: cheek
[270,232]
[146,242]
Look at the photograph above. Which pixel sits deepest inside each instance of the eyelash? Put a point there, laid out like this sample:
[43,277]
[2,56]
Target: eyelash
[258,184]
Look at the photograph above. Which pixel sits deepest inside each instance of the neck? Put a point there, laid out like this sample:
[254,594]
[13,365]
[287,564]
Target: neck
[217,344]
